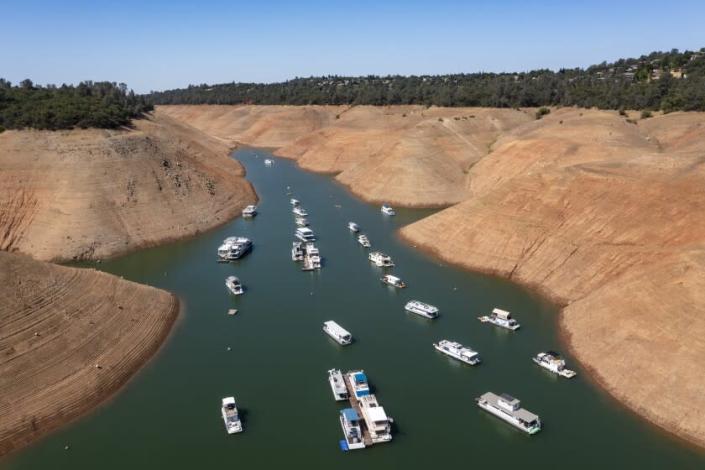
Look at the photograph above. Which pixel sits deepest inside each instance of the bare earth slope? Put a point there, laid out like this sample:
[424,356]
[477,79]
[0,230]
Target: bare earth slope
[603,215]
[68,338]
[96,193]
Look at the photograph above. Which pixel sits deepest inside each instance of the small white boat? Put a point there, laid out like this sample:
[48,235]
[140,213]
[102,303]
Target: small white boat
[337,332]
[298,210]
[380,259]
[364,241]
[457,351]
[249,211]
[351,422]
[353,227]
[507,408]
[231,416]
[337,385]
[421,308]
[297,251]
[268,162]
[552,361]
[388,210]
[301,222]
[305,234]
[358,382]
[234,285]
[393,281]
[501,318]
[294,202]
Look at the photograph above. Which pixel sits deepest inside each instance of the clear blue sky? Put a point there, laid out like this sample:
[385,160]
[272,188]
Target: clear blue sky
[160,44]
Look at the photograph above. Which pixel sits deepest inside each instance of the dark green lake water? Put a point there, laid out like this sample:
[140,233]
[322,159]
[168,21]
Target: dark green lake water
[169,415]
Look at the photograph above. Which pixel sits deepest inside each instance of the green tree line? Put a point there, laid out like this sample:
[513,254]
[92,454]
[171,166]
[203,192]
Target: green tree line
[88,104]
[659,81]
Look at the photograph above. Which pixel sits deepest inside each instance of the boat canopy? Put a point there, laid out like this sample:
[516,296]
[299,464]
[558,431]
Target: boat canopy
[360,377]
[502,313]
[350,415]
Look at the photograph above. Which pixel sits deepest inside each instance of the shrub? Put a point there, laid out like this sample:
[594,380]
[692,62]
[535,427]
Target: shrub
[542,111]
[646,114]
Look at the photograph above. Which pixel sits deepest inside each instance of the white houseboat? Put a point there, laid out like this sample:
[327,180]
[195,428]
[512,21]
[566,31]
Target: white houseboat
[294,202]
[305,234]
[358,383]
[297,251]
[231,416]
[380,259]
[301,221]
[421,308]
[268,162]
[507,408]
[300,211]
[249,211]
[364,241]
[351,422]
[388,210]
[552,361]
[376,420]
[337,385]
[501,318]
[393,281]
[234,285]
[234,248]
[458,351]
[337,332]
[353,227]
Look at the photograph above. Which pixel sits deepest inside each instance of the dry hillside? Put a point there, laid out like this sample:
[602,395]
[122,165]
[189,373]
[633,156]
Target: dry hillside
[96,193]
[601,214]
[68,338]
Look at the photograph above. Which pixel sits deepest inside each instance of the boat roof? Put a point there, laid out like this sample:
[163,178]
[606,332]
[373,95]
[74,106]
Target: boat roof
[524,415]
[350,414]
[360,377]
[229,401]
[392,277]
[304,230]
[377,414]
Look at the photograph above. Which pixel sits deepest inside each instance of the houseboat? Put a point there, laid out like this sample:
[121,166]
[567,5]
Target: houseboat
[458,351]
[234,285]
[393,281]
[377,422]
[388,210]
[351,423]
[337,332]
[337,385]
[380,259]
[364,241]
[231,416]
[297,251]
[501,318]
[294,202]
[234,248]
[353,227]
[358,383]
[301,222]
[305,234]
[268,162]
[421,308]
[249,211]
[552,361]
[508,409]
[300,211]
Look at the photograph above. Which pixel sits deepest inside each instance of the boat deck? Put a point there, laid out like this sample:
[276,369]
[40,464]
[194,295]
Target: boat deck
[354,404]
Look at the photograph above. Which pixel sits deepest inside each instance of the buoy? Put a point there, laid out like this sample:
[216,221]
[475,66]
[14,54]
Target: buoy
[66,447]
[228,348]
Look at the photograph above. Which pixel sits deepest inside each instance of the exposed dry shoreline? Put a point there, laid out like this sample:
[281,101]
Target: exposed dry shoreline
[70,338]
[602,215]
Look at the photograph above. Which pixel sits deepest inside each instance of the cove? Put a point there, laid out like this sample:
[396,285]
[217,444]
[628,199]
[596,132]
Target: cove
[168,416]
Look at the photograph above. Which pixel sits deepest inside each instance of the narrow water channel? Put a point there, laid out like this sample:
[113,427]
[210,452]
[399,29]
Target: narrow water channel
[273,357]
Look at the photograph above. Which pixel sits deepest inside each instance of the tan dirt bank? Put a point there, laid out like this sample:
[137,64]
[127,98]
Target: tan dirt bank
[603,215]
[87,194]
[68,339]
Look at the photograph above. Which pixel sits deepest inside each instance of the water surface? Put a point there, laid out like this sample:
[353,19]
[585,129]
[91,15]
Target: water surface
[169,416]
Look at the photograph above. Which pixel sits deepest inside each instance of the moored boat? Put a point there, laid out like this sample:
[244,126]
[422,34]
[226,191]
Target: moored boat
[393,281]
[457,351]
[301,222]
[364,241]
[388,210]
[297,251]
[353,227]
[234,248]
[358,383]
[231,417]
[337,385]
[501,318]
[300,211]
[380,259]
[351,422]
[337,332]
[294,202]
[305,234]
[249,211]
[421,308]
[553,362]
[508,409]
[377,422]
[234,285]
